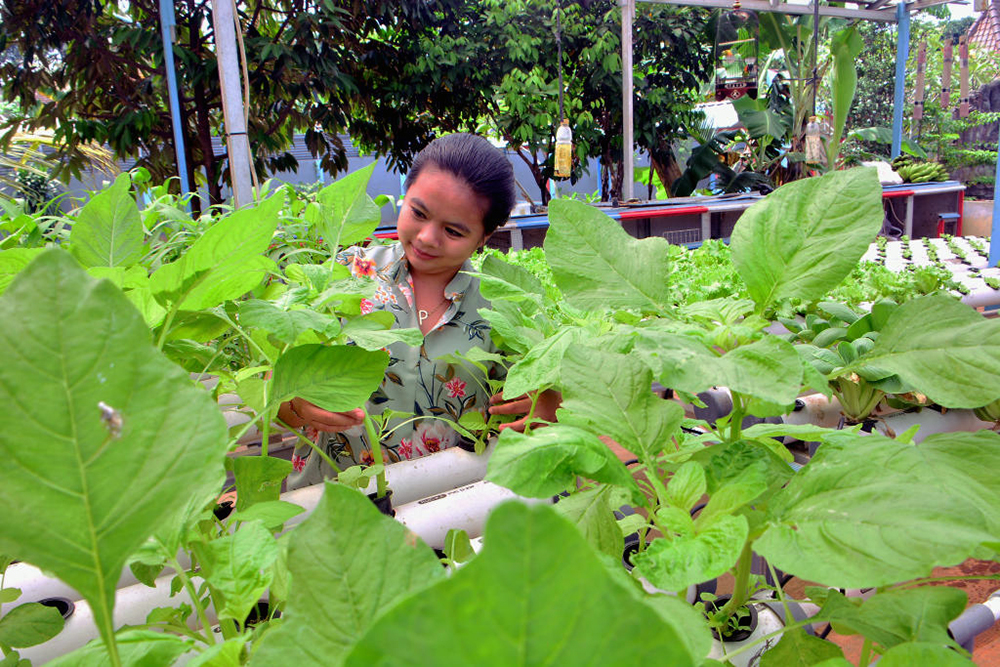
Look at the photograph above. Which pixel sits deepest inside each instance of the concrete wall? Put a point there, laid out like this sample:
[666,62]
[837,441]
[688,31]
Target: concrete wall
[385,181]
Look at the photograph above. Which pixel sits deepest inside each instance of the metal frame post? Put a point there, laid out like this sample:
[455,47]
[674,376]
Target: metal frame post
[902,52]
[628,176]
[237,141]
[168,30]
[994,243]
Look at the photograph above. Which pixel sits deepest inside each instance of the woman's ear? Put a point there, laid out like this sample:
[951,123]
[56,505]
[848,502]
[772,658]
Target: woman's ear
[482,243]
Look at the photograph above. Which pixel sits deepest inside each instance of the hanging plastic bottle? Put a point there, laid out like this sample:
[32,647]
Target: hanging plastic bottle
[563,167]
[815,153]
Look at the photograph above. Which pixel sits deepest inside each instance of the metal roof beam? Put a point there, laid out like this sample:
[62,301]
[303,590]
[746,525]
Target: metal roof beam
[887,15]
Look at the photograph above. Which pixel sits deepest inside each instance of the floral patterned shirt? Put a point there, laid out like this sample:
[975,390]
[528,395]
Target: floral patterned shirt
[416,381]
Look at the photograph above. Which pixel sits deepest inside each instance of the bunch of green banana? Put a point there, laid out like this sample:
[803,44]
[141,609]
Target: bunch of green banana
[902,159]
[920,172]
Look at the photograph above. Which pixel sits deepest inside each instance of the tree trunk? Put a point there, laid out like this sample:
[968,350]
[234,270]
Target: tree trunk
[664,164]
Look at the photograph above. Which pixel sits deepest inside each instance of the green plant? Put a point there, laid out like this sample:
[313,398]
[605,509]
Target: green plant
[94,407]
[303,334]
[757,503]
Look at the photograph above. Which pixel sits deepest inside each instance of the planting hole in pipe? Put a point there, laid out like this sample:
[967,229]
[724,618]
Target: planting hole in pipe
[223,510]
[63,605]
[746,624]
[384,504]
[259,613]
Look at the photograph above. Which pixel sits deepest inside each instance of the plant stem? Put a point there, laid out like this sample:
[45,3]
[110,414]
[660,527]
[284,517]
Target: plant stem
[265,425]
[866,651]
[376,445]
[736,418]
[208,636]
[165,327]
[316,448]
[742,584]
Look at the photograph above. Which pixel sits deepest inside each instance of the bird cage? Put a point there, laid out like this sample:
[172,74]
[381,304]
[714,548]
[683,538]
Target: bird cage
[737,37]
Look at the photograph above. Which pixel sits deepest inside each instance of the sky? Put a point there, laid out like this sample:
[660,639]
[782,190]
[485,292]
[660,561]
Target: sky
[961,11]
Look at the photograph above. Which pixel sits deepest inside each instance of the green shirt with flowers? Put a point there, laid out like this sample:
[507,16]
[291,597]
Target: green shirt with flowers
[416,381]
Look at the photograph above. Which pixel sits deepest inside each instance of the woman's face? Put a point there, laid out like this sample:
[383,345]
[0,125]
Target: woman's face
[441,223]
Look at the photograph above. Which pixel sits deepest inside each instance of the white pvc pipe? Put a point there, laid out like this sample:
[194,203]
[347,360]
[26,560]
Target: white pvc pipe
[816,410]
[132,605]
[410,480]
[767,622]
[931,422]
[464,508]
[428,475]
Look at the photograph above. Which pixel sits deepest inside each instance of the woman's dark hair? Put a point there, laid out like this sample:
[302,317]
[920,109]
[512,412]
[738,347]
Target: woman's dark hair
[477,162]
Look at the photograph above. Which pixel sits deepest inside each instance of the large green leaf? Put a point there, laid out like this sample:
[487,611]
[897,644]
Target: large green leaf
[922,653]
[13,261]
[225,263]
[845,47]
[349,564]
[797,649]
[593,515]
[769,369]
[804,238]
[897,617]
[944,349]
[336,378]
[548,461]
[869,511]
[108,231]
[344,213]
[29,625]
[371,333]
[539,368]
[238,567]
[611,393]
[503,280]
[101,435]
[285,325]
[676,563]
[536,595]
[760,120]
[597,265]
[135,647]
[258,479]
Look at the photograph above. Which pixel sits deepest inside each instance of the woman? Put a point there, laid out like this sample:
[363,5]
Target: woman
[458,191]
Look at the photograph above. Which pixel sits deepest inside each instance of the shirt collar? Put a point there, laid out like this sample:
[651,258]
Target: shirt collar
[453,291]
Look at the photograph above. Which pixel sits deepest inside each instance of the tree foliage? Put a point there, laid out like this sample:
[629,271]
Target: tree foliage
[392,75]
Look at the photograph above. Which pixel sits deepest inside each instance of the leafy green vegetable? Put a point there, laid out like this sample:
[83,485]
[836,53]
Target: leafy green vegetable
[88,398]
[516,605]
[805,237]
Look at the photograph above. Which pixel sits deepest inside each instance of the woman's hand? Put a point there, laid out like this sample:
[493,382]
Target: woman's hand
[299,412]
[545,408]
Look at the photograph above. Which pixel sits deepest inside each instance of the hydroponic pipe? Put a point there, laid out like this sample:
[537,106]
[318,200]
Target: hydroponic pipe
[817,410]
[429,475]
[975,620]
[464,508]
[132,605]
[409,480]
[430,519]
